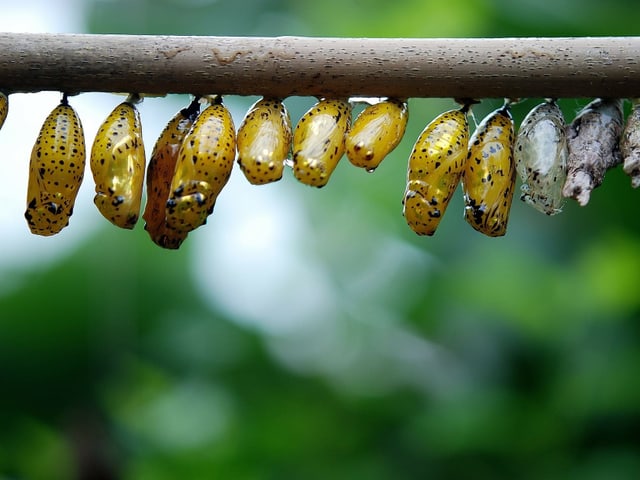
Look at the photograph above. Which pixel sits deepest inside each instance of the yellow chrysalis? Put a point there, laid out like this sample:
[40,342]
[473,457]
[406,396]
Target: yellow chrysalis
[376,131]
[117,163]
[160,174]
[435,167]
[319,140]
[488,180]
[203,168]
[56,171]
[264,141]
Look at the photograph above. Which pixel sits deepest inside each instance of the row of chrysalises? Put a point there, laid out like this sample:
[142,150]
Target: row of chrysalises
[193,158]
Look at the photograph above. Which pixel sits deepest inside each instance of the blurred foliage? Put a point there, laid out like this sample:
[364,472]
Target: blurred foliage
[456,356]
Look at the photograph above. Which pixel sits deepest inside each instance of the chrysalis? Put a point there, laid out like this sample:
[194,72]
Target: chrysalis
[630,144]
[541,157]
[488,180]
[56,171]
[160,174]
[318,141]
[4,108]
[593,139]
[117,163]
[264,141]
[376,131]
[203,168]
[435,167]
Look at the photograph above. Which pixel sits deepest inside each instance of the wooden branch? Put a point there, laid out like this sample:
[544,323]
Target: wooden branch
[285,66]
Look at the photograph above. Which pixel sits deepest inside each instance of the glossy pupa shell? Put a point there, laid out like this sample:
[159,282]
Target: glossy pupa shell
[117,164]
[435,167]
[540,154]
[376,132]
[56,171]
[160,172]
[264,141]
[204,165]
[488,180]
[319,141]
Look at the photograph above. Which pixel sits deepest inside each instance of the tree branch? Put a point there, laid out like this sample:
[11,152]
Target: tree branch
[285,66]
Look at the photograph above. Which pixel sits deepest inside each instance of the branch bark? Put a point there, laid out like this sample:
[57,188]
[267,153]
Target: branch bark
[338,67]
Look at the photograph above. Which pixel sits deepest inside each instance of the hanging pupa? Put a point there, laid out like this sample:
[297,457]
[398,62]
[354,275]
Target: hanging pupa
[541,157]
[593,138]
[203,168]
[488,181]
[117,164]
[630,144]
[160,175]
[319,141]
[376,132]
[4,107]
[264,141]
[435,167]
[56,170]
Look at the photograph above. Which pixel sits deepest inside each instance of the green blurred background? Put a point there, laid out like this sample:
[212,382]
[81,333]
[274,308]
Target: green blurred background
[310,334]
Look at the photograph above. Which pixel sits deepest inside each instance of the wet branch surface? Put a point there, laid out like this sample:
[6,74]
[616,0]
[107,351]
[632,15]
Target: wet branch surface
[338,67]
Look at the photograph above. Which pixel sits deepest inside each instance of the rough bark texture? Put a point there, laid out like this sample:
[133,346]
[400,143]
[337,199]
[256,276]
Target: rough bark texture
[593,139]
[338,67]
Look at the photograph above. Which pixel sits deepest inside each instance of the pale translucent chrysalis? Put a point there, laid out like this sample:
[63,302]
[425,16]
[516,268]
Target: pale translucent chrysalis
[541,157]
